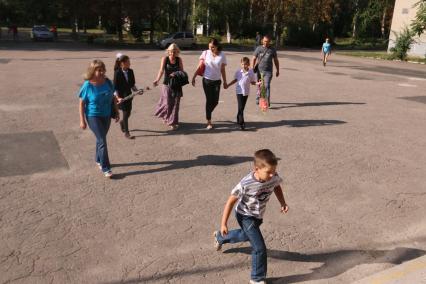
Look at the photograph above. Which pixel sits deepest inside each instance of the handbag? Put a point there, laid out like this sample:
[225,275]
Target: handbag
[202,67]
[114,113]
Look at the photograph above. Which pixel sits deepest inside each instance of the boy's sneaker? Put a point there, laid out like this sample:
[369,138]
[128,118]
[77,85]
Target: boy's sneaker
[257,282]
[217,245]
[108,174]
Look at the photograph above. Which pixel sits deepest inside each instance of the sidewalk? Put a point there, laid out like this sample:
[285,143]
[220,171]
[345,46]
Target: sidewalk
[412,272]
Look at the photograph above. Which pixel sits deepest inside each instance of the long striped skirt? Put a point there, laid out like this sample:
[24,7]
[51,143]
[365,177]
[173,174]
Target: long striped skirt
[168,106]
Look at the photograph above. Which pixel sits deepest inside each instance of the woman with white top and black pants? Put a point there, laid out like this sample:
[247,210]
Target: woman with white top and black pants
[214,61]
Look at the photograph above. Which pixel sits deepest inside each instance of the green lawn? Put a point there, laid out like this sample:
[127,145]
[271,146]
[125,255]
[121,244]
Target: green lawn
[378,55]
[360,44]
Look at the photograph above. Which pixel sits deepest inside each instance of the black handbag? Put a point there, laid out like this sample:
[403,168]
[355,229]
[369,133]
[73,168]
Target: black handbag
[114,113]
[113,110]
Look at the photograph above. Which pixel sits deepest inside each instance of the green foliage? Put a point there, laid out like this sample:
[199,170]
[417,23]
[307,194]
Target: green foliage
[298,22]
[402,44]
[419,24]
[136,29]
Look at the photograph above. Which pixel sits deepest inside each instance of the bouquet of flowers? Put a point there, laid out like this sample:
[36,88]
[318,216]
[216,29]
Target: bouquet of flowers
[263,100]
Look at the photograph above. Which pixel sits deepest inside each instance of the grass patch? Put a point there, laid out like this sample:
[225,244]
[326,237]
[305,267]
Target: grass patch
[360,43]
[379,55]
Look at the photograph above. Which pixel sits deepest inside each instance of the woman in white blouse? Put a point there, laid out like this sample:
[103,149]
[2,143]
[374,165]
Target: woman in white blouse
[214,62]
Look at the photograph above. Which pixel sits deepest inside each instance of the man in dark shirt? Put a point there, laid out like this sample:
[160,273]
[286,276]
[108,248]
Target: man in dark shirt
[264,55]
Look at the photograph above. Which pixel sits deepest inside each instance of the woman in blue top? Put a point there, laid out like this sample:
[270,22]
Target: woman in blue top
[326,51]
[96,102]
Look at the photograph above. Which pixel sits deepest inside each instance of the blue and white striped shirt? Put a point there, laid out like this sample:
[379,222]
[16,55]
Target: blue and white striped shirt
[253,195]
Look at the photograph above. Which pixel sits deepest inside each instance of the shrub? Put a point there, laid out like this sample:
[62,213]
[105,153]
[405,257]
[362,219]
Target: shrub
[136,29]
[402,44]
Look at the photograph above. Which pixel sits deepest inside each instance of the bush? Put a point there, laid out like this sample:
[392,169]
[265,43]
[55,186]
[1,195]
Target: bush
[136,29]
[91,39]
[402,44]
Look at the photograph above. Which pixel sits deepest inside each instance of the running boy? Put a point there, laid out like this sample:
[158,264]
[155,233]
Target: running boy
[243,77]
[326,51]
[252,194]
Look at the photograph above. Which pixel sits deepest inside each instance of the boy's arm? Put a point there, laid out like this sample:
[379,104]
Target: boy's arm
[280,196]
[231,83]
[226,212]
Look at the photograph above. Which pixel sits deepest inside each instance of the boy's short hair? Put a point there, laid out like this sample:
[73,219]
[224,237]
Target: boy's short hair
[264,157]
[245,60]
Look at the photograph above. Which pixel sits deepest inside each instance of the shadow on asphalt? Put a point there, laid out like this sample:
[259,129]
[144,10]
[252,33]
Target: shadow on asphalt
[419,99]
[188,128]
[289,105]
[203,160]
[336,262]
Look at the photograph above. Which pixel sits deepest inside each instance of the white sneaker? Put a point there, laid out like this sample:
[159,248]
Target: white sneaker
[257,282]
[99,166]
[108,174]
[217,245]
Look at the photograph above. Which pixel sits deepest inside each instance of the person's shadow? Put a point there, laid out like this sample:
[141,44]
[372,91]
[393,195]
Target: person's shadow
[336,262]
[313,104]
[189,128]
[203,160]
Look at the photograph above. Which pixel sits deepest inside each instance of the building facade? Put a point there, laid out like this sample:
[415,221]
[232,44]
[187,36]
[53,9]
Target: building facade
[403,14]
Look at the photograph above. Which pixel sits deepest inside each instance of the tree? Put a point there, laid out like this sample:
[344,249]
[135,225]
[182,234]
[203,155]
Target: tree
[419,24]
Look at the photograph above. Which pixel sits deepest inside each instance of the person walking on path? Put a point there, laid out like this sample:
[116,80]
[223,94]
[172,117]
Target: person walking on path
[97,105]
[251,195]
[263,57]
[124,84]
[325,51]
[168,105]
[214,62]
[243,77]
[257,40]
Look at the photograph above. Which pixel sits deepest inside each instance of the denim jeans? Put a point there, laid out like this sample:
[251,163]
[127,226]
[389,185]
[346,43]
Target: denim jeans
[100,126]
[267,77]
[211,90]
[250,231]
[242,100]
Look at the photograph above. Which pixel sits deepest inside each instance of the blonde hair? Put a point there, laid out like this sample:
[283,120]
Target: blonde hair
[95,64]
[173,46]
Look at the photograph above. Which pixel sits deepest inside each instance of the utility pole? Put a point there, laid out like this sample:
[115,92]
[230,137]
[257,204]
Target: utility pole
[194,24]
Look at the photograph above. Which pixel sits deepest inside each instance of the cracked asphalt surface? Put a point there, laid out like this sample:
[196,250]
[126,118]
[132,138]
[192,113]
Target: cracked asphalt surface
[350,138]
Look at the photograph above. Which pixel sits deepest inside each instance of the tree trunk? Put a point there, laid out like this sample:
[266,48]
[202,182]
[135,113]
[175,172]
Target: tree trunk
[355,20]
[251,11]
[265,15]
[194,24]
[208,18]
[383,23]
[118,22]
[151,31]
[228,31]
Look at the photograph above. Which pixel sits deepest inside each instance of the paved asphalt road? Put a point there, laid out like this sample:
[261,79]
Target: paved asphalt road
[350,137]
